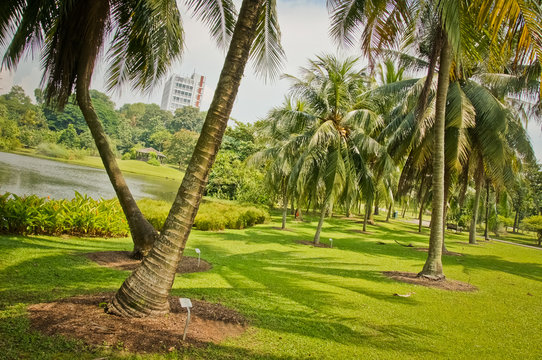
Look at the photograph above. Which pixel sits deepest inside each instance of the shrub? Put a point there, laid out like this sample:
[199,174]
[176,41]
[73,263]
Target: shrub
[153,162]
[82,216]
[212,215]
[155,211]
[534,223]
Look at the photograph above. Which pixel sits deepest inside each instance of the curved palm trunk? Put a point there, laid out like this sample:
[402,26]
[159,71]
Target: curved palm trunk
[478,181]
[320,224]
[143,233]
[433,265]
[145,291]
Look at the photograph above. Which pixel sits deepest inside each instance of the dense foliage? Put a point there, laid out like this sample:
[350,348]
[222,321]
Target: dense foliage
[212,215]
[82,216]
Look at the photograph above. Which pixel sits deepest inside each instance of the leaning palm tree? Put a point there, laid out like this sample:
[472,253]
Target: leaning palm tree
[256,33]
[146,37]
[458,26]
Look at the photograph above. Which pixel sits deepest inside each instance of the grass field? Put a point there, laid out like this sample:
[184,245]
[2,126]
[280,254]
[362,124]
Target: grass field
[302,302]
[167,171]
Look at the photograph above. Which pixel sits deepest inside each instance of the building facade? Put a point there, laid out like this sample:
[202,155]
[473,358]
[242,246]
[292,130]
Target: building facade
[182,91]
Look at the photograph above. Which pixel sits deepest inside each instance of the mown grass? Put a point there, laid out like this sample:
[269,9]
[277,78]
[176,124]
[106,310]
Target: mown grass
[166,171]
[302,302]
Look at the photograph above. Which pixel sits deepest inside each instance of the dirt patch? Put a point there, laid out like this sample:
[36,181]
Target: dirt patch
[121,260]
[320,245]
[449,253]
[83,318]
[412,278]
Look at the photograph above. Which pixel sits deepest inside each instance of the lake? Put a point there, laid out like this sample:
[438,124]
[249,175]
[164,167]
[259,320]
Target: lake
[26,175]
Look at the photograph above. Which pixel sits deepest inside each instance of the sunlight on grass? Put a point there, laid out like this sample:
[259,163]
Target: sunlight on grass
[303,301]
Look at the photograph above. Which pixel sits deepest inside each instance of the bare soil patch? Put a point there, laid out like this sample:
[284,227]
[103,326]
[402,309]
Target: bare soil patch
[449,253]
[305,242]
[83,318]
[121,260]
[412,278]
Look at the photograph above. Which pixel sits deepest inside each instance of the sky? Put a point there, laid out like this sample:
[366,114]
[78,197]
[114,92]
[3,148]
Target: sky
[304,25]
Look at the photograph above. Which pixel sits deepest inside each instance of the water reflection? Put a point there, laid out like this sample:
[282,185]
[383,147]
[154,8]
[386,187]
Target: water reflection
[25,175]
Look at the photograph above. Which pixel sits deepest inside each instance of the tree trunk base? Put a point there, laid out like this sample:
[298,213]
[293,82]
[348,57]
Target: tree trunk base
[432,276]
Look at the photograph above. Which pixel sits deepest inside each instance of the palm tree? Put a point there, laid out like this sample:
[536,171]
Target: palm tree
[457,28]
[280,153]
[332,133]
[256,32]
[146,37]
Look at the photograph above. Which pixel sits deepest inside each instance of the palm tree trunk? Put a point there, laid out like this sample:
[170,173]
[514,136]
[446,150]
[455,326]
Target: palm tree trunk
[320,224]
[145,291]
[516,220]
[486,236]
[143,233]
[433,266]
[368,205]
[420,192]
[284,203]
[377,210]
[478,185]
[389,212]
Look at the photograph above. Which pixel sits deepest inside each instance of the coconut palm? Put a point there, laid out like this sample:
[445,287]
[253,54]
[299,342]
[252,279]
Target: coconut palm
[332,132]
[146,36]
[256,34]
[457,28]
[281,150]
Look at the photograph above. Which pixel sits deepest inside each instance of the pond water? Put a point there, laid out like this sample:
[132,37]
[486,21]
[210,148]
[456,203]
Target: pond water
[26,175]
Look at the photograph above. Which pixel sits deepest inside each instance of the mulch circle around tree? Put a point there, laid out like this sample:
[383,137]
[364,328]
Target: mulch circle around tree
[121,260]
[320,245]
[449,253]
[83,318]
[412,278]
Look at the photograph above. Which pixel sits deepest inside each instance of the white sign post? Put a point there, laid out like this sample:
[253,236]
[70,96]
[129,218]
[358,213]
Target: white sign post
[331,242]
[199,255]
[186,303]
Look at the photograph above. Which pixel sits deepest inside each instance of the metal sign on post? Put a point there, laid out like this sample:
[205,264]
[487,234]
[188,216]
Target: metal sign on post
[186,303]
[199,255]
[331,242]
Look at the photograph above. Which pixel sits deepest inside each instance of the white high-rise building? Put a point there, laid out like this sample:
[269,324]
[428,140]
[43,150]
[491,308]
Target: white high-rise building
[182,91]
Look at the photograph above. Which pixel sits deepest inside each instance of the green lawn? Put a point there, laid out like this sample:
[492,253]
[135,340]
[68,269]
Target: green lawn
[303,302]
[166,171]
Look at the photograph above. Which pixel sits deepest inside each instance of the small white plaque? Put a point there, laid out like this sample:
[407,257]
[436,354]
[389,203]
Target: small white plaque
[185,302]
[198,251]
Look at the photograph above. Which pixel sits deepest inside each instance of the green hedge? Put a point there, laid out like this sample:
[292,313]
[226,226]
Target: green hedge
[212,215]
[80,216]
[84,216]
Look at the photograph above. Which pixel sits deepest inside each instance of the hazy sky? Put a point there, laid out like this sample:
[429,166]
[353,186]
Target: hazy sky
[304,26]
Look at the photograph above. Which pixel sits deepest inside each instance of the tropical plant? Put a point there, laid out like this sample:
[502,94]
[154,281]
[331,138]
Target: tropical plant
[455,30]
[146,36]
[256,32]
